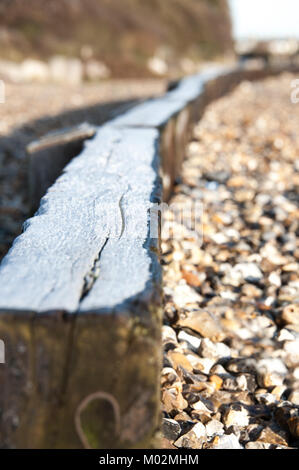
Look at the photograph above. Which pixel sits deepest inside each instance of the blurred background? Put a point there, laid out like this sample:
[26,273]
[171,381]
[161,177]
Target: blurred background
[99,39]
[119,38]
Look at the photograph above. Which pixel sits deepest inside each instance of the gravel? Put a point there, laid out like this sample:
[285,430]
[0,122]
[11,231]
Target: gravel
[231,321]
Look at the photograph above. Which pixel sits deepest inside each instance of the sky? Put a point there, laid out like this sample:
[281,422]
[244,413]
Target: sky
[265,18]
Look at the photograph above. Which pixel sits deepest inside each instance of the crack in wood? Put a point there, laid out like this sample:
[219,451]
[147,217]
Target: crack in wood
[93,274]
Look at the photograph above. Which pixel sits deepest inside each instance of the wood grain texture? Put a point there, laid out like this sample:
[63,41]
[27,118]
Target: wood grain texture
[48,263]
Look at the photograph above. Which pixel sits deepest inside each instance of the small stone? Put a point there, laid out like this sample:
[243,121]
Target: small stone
[231,384]
[199,430]
[272,365]
[236,416]
[185,295]
[178,359]
[251,290]
[257,445]
[270,379]
[285,410]
[168,334]
[253,431]
[203,323]
[266,398]
[271,437]
[169,376]
[290,314]
[217,381]
[274,279]
[290,267]
[227,441]
[178,255]
[214,427]
[219,238]
[192,340]
[250,272]
[214,350]
[241,365]
[220,177]
[193,439]
[206,387]
[182,416]
[203,364]
[294,397]
[218,369]
[166,444]
[285,335]
[192,279]
[246,382]
[200,406]
[203,417]
[243,382]
[171,429]
[292,350]
[173,400]
[278,391]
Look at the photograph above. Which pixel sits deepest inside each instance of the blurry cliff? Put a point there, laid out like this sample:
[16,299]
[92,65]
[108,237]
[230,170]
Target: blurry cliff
[133,37]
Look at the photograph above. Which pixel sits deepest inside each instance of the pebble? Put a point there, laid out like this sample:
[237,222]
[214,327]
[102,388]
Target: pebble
[217,381]
[168,334]
[272,366]
[203,365]
[214,427]
[278,391]
[227,441]
[193,439]
[200,406]
[214,350]
[179,359]
[272,437]
[249,272]
[236,416]
[257,445]
[285,335]
[203,323]
[294,397]
[265,398]
[290,315]
[192,341]
[174,400]
[169,376]
[270,379]
[171,429]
